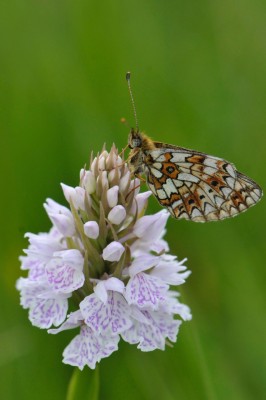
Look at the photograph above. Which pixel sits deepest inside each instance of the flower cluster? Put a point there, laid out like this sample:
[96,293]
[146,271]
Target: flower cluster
[107,260]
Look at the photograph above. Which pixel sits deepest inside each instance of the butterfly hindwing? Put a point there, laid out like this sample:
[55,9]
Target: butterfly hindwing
[196,186]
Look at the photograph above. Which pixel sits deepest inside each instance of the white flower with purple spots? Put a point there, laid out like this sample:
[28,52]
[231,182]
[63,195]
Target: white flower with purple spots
[110,261]
[110,318]
[152,333]
[143,289]
[87,348]
[46,308]
[65,271]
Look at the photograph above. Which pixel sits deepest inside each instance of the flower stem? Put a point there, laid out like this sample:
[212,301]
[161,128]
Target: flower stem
[84,385]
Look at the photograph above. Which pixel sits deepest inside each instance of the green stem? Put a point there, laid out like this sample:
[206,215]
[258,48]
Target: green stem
[84,385]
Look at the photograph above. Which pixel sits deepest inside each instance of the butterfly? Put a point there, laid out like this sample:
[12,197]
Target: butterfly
[190,184]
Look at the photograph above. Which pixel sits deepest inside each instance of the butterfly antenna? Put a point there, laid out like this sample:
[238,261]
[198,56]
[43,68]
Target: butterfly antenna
[128,74]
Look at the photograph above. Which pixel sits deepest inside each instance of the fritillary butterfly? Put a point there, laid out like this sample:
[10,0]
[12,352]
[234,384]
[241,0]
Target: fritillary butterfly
[191,185]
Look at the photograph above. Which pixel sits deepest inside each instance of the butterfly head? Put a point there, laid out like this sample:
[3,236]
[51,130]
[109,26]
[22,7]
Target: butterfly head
[134,139]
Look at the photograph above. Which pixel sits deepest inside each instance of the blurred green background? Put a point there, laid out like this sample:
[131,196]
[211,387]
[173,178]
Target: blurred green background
[199,80]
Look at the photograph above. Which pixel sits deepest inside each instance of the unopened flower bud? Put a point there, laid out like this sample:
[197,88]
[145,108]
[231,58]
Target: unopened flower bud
[112,196]
[117,215]
[113,251]
[89,182]
[91,229]
[76,195]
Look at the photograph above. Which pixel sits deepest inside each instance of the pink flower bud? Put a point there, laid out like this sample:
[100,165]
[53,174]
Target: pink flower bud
[113,251]
[117,215]
[91,229]
[112,196]
[76,195]
[88,181]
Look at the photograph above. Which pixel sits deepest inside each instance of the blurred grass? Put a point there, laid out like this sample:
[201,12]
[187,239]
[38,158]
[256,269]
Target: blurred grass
[198,75]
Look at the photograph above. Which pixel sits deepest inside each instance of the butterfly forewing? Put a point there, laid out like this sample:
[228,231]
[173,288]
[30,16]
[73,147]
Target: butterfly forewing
[196,186]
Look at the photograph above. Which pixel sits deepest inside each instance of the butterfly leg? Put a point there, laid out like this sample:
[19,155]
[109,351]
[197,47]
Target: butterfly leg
[135,186]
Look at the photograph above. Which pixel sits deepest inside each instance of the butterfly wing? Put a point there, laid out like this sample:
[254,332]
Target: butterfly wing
[196,186]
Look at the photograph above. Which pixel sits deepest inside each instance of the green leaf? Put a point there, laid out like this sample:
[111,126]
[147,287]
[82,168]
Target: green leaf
[84,385]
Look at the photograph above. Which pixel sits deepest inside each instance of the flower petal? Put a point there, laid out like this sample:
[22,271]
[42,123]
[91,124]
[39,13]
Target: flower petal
[142,263]
[45,307]
[65,271]
[150,227]
[141,203]
[152,335]
[44,245]
[146,291]
[47,312]
[65,224]
[170,270]
[173,306]
[76,195]
[110,284]
[52,207]
[74,320]
[108,318]
[87,348]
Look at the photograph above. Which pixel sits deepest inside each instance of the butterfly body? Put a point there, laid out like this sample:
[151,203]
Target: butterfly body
[190,184]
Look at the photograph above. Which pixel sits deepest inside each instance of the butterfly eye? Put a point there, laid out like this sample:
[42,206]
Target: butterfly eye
[136,142]
[134,139]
